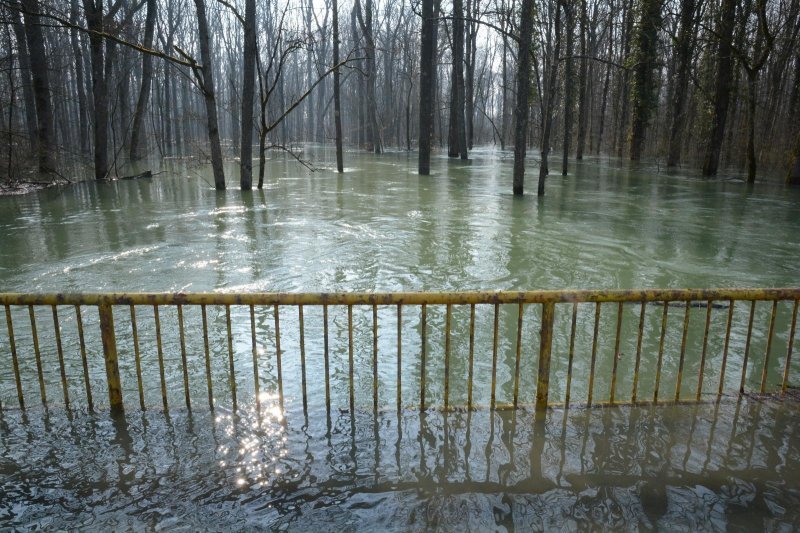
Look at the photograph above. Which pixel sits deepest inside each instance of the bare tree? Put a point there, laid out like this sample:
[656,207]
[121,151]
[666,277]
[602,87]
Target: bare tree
[147,76]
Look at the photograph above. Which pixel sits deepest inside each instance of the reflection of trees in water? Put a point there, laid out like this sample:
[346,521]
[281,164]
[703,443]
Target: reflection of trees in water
[709,466]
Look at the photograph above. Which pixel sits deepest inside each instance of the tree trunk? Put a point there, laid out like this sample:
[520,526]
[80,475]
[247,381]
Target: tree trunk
[521,109]
[551,97]
[147,76]
[83,114]
[606,86]
[583,75]
[622,120]
[248,92]
[41,88]
[208,95]
[94,21]
[569,82]
[683,50]
[27,84]
[752,88]
[365,21]
[793,175]
[427,85]
[457,138]
[644,89]
[722,89]
[471,57]
[337,101]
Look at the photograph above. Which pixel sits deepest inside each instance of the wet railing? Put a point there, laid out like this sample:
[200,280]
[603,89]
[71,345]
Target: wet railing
[546,337]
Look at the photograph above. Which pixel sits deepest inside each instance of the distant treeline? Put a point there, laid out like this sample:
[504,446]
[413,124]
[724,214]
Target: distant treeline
[702,84]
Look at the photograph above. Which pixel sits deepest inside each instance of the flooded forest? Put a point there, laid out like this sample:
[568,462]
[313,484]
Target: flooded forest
[90,87]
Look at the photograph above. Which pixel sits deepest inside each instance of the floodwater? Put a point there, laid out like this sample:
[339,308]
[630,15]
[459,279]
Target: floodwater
[710,467]
[382,227]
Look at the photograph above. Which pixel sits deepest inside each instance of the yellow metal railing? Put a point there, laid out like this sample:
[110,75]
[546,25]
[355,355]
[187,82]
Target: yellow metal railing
[547,305]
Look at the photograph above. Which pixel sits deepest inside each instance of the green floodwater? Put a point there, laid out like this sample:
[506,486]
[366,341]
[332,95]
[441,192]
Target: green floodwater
[382,227]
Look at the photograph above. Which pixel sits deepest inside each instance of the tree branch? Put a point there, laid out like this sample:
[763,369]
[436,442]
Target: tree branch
[64,23]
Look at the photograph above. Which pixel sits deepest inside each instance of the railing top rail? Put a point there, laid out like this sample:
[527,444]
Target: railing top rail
[396,298]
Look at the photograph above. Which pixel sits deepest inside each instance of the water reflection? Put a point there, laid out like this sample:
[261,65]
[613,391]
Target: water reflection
[708,466]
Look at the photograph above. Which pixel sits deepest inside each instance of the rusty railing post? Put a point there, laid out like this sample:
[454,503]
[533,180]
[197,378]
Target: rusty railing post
[110,356]
[545,350]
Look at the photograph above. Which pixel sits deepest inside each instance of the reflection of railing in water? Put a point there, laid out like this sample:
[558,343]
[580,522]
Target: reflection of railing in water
[545,304]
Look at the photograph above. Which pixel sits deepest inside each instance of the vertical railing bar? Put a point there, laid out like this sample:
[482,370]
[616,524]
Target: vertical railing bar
[448,318]
[60,352]
[725,348]
[709,306]
[15,362]
[518,354]
[661,350]
[302,355]
[137,356]
[278,357]
[375,357]
[207,351]
[471,354]
[350,357]
[160,349]
[637,363]
[594,352]
[231,368]
[326,357]
[399,356]
[110,357]
[789,348]
[769,346]
[747,345]
[545,351]
[423,356]
[679,381]
[571,355]
[84,359]
[184,362]
[616,353]
[494,351]
[37,354]
[254,348]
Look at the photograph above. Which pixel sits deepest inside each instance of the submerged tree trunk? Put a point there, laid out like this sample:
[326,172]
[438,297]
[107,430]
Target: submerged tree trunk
[684,57]
[27,84]
[471,52]
[569,81]
[94,21]
[83,115]
[209,96]
[752,87]
[606,86]
[624,93]
[552,83]
[583,75]
[147,75]
[337,103]
[41,88]
[644,89]
[365,21]
[793,175]
[248,93]
[521,109]
[457,137]
[427,85]
[722,88]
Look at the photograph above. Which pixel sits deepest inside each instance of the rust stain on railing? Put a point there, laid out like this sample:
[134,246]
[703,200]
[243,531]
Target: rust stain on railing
[548,301]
